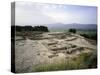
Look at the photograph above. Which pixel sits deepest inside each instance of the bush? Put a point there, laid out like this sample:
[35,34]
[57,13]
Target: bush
[30,28]
[90,36]
[93,59]
[72,30]
[83,61]
[40,28]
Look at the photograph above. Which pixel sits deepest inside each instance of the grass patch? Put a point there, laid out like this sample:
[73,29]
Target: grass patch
[83,61]
[90,34]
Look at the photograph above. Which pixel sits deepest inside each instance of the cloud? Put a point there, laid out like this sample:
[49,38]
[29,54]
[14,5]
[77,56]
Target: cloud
[28,13]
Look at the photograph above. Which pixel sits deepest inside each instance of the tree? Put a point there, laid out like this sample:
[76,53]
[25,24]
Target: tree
[30,28]
[72,30]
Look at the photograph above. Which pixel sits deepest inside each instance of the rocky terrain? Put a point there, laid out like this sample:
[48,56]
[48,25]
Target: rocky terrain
[49,47]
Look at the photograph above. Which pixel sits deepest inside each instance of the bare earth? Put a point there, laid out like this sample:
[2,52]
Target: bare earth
[49,48]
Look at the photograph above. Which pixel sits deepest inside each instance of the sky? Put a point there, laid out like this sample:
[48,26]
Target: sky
[29,13]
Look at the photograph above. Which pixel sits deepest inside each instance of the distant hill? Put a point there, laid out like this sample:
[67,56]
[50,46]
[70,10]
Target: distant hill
[61,26]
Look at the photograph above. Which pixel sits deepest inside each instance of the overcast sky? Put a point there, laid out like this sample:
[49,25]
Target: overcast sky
[29,13]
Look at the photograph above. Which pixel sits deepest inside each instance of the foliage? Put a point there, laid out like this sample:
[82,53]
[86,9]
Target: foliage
[30,28]
[90,36]
[83,61]
[40,28]
[72,30]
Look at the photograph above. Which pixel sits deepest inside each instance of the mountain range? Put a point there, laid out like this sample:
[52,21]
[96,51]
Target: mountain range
[61,26]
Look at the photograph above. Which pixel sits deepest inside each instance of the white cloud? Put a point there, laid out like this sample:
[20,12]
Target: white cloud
[28,13]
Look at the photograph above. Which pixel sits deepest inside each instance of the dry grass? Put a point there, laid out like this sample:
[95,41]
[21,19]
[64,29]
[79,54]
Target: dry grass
[81,62]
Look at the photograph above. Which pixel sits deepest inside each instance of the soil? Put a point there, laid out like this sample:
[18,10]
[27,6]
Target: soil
[48,48]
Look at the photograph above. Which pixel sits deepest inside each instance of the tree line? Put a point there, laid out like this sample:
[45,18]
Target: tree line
[30,28]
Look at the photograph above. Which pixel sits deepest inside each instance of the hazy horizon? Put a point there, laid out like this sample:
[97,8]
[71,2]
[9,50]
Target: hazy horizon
[30,13]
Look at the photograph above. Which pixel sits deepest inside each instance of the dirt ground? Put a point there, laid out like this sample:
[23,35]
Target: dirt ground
[49,48]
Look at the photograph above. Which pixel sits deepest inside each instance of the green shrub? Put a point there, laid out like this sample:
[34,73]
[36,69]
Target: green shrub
[83,61]
[72,30]
[90,36]
[30,28]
